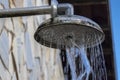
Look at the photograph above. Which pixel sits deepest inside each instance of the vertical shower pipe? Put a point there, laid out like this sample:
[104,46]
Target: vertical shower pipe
[54,3]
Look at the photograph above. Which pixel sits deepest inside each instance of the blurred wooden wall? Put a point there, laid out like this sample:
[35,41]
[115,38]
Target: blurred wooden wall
[21,57]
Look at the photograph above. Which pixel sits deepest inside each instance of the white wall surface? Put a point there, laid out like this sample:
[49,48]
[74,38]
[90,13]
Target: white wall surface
[21,57]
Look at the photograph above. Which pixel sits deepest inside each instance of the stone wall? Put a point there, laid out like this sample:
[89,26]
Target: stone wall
[21,57]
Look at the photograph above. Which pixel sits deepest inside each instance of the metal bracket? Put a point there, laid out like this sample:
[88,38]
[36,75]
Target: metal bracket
[54,4]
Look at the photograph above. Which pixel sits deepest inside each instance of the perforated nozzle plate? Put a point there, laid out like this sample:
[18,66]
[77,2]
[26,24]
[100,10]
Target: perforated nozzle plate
[55,32]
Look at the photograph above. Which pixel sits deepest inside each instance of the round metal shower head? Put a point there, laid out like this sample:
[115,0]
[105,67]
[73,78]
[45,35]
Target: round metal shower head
[56,32]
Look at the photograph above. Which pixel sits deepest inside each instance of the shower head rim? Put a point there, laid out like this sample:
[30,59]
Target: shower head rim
[80,20]
[62,20]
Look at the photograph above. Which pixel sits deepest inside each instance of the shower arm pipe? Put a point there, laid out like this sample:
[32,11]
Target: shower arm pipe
[37,10]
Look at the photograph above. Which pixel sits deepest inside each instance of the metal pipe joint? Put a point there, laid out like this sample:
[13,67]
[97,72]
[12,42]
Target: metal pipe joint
[54,10]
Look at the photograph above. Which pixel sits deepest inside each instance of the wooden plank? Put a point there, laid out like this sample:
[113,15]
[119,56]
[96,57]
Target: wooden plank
[2,21]
[4,74]
[5,3]
[4,49]
[14,77]
[29,55]
[21,57]
[23,72]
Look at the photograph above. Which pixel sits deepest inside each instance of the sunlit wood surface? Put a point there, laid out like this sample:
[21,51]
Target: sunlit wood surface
[21,57]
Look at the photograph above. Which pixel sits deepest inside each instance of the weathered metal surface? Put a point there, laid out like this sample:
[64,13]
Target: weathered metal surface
[21,57]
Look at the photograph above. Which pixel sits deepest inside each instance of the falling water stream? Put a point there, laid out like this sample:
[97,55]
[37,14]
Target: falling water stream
[85,63]
[71,56]
[91,63]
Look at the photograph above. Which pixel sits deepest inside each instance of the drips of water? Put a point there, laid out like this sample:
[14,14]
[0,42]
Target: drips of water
[97,61]
[85,65]
[90,64]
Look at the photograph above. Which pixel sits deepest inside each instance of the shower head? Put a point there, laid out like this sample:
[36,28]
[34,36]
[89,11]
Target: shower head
[56,32]
[64,26]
